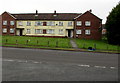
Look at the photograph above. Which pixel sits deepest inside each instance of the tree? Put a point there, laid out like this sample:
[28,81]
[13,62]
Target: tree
[113,26]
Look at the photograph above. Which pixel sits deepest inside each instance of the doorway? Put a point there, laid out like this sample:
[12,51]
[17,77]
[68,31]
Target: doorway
[21,31]
[69,33]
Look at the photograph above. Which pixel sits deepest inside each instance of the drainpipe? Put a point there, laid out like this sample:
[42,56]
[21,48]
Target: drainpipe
[75,28]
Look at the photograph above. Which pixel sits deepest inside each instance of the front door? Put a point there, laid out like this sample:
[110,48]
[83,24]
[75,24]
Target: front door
[21,31]
[69,33]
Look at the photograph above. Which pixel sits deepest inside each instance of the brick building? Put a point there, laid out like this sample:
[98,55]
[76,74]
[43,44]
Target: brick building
[74,25]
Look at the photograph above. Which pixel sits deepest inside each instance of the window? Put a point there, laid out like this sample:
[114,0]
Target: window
[12,23]
[78,32]
[50,23]
[79,23]
[11,30]
[5,22]
[60,31]
[39,23]
[20,23]
[87,23]
[50,31]
[69,23]
[28,31]
[60,23]
[28,23]
[38,31]
[87,32]
[4,30]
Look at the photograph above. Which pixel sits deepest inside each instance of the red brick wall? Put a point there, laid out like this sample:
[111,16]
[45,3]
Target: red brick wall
[0,25]
[8,18]
[94,28]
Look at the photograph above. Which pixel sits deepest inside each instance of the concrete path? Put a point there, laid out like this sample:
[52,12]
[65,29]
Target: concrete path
[74,45]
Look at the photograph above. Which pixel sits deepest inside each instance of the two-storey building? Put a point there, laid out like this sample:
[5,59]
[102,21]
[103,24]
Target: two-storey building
[74,25]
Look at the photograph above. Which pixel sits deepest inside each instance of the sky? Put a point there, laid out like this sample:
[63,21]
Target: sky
[100,8]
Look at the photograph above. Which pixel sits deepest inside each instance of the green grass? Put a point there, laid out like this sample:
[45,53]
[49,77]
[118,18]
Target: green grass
[99,44]
[37,41]
[42,42]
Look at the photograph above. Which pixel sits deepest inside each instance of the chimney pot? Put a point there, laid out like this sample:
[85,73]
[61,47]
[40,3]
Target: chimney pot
[36,12]
[55,12]
[90,10]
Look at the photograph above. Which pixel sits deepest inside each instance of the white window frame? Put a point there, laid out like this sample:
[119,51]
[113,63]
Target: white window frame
[79,23]
[87,32]
[20,23]
[38,31]
[39,23]
[12,22]
[5,22]
[60,23]
[28,31]
[50,31]
[60,31]
[79,32]
[28,23]
[12,30]
[70,23]
[4,30]
[50,23]
[87,23]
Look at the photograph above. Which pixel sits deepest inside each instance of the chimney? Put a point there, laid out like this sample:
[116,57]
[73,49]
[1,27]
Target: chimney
[36,12]
[90,10]
[55,12]
[36,15]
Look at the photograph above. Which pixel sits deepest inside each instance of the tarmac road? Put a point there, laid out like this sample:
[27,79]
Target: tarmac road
[22,64]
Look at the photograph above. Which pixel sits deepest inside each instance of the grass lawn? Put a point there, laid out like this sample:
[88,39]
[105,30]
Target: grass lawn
[37,41]
[45,42]
[99,44]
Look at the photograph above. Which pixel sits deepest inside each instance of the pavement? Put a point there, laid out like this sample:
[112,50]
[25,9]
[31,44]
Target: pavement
[22,64]
[74,45]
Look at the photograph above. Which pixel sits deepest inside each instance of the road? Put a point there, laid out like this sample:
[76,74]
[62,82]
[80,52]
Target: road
[21,64]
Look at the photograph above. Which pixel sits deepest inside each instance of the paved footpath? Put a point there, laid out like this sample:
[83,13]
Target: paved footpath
[74,45]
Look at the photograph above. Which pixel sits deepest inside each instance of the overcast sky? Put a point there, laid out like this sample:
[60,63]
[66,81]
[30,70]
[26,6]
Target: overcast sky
[101,8]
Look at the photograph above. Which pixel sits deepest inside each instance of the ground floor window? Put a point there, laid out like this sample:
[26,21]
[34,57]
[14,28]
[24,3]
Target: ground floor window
[87,32]
[50,31]
[60,31]
[78,32]
[12,30]
[38,31]
[4,30]
[28,31]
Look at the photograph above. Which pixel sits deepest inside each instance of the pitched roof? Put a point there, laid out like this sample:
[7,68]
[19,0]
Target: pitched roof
[46,16]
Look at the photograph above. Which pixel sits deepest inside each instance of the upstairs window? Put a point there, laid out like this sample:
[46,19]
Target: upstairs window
[79,23]
[78,32]
[28,23]
[60,23]
[87,23]
[39,23]
[20,23]
[4,22]
[87,32]
[70,24]
[50,31]
[4,30]
[12,22]
[11,30]
[50,23]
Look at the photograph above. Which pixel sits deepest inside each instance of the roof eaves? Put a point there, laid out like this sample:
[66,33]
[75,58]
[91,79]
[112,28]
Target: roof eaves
[11,15]
[78,16]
